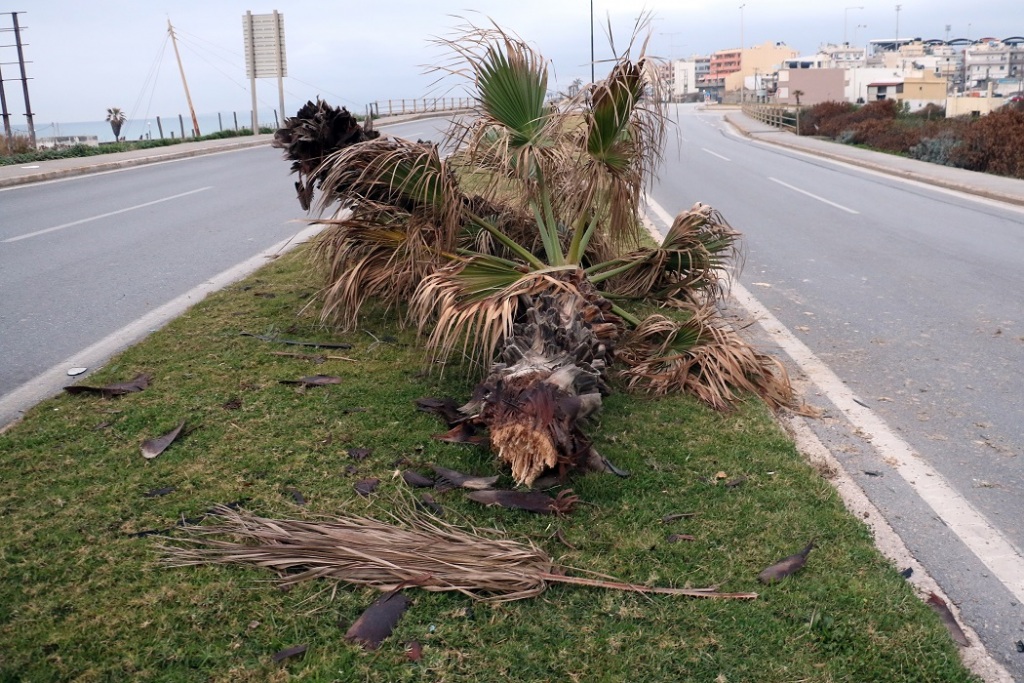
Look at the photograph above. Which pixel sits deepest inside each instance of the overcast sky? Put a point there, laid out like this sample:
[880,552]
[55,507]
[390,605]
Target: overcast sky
[89,55]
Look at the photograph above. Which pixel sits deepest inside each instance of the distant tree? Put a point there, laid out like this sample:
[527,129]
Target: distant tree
[116,117]
[797,94]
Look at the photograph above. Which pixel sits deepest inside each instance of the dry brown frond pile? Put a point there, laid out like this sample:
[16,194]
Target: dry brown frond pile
[417,552]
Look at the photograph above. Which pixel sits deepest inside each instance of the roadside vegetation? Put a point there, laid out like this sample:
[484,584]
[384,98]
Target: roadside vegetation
[599,423]
[993,143]
[713,499]
[19,149]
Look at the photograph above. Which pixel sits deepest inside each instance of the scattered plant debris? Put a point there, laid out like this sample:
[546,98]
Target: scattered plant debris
[367,486]
[138,383]
[786,566]
[359,453]
[445,408]
[232,404]
[531,501]
[733,483]
[414,651]
[378,621]
[427,503]
[942,609]
[560,535]
[151,448]
[156,493]
[296,496]
[417,480]
[387,556]
[907,573]
[668,519]
[463,432]
[454,479]
[313,381]
[289,653]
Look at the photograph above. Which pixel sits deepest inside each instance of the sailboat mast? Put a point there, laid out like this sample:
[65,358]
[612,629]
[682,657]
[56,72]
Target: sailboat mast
[188,97]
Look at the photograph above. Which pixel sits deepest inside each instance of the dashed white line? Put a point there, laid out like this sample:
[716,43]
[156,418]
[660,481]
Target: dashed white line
[813,196]
[979,535]
[103,215]
[715,154]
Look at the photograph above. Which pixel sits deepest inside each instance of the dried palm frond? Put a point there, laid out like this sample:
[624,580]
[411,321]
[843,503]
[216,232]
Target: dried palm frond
[316,131]
[475,303]
[703,357]
[420,552]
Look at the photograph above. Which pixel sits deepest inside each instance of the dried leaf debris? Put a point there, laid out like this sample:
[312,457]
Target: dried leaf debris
[378,621]
[138,383]
[786,566]
[151,448]
[416,551]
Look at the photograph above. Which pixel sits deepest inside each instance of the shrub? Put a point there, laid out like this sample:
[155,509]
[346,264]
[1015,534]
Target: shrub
[937,150]
[19,144]
[993,144]
[818,120]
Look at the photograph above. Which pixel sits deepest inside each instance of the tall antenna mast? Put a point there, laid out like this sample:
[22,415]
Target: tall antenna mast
[188,97]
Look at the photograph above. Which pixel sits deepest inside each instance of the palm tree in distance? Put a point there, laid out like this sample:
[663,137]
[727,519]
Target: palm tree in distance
[798,94]
[116,118]
[525,252]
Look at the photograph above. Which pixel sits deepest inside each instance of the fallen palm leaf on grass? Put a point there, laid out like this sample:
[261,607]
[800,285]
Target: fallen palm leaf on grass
[416,552]
[313,381]
[378,621]
[138,383]
[154,447]
[786,566]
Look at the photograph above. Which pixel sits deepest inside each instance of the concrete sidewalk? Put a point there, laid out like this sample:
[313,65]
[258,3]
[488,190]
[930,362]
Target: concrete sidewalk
[1000,188]
[36,171]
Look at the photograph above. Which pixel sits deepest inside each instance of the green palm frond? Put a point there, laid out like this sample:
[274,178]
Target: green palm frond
[704,357]
[695,257]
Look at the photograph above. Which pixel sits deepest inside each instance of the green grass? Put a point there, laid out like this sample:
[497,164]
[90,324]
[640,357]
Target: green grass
[81,599]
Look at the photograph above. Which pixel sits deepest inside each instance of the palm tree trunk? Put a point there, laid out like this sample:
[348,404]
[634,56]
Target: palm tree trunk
[549,376]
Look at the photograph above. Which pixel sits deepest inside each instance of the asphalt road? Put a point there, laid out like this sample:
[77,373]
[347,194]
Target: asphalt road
[912,296]
[83,257]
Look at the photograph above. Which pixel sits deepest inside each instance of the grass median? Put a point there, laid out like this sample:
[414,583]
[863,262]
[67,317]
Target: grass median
[83,595]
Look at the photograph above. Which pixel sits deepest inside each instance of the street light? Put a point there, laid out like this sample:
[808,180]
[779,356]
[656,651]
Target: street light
[742,84]
[846,18]
[855,28]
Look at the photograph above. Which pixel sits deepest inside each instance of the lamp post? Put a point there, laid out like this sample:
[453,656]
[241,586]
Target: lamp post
[742,84]
[846,19]
[898,8]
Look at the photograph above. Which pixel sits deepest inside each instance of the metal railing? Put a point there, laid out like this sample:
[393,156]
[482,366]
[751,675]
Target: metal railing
[421,106]
[780,116]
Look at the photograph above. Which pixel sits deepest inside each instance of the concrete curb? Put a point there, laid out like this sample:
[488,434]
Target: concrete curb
[1017,200]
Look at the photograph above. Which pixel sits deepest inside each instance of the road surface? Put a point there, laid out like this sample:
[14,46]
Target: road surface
[84,257]
[912,297]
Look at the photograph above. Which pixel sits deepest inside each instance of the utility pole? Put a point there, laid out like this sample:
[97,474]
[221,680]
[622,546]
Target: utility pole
[16,28]
[188,97]
[592,42]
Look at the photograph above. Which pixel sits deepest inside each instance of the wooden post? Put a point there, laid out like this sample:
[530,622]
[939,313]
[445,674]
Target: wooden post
[188,97]
[181,122]
[220,124]
[160,127]
[235,114]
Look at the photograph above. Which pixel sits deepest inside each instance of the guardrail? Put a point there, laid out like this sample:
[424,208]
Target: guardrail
[776,115]
[420,106]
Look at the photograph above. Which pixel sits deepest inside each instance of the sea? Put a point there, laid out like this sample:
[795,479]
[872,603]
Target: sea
[150,128]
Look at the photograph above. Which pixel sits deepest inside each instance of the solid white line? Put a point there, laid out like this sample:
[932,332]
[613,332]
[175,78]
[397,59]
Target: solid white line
[715,154]
[813,196]
[979,535]
[103,215]
[51,381]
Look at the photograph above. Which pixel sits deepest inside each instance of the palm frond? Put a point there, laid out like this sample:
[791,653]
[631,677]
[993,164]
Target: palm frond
[474,303]
[693,262]
[414,551]
[703,357]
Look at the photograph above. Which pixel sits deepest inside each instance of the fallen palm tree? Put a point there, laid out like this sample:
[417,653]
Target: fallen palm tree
[418,552]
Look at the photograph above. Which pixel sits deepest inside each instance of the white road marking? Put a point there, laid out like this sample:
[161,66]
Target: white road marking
[993,549]
[715,154]
[103,215]
[52,380]
[813,196]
